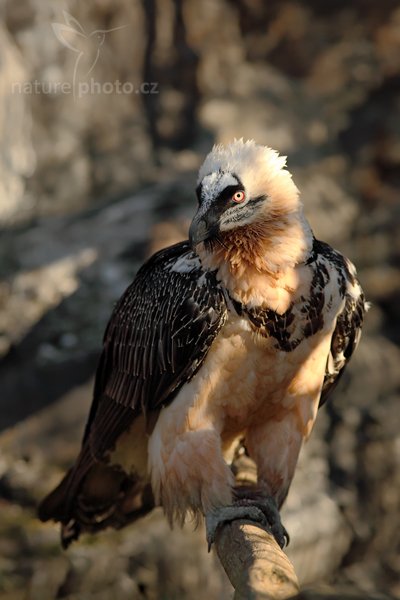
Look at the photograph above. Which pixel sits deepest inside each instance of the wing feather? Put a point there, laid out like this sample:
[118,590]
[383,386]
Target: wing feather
[160,331]
[346,335]
[158,336]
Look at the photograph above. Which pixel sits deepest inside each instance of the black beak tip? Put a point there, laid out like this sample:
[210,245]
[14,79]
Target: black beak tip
[197,232]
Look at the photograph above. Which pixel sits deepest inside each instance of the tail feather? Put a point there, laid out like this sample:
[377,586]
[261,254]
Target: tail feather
[101,497]
[55,505]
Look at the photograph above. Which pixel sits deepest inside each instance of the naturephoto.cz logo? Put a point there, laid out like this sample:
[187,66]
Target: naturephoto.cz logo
[83,88]
[88,48]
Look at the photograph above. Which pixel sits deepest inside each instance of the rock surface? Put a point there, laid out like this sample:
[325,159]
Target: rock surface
[91,185]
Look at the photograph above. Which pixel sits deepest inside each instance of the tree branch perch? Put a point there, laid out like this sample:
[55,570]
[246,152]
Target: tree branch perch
[256,566]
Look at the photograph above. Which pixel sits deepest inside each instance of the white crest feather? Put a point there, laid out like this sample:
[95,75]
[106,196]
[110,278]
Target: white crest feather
[260,168]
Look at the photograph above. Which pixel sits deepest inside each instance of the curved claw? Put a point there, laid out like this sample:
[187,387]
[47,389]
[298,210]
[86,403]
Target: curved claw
[280,534]
[269,508]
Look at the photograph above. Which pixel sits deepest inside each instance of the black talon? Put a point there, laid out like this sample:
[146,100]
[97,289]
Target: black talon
[270,510]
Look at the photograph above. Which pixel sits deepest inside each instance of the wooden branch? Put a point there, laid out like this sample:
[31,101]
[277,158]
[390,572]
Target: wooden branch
[256,566]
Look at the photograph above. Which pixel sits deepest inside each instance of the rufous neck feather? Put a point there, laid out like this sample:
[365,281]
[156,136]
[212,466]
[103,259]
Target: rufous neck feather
[252,259]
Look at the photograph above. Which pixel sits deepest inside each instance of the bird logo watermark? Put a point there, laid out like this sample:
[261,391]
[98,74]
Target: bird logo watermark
[88,48]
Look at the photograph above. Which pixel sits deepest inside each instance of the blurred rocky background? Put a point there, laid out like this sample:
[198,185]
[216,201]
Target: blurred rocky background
[98,160]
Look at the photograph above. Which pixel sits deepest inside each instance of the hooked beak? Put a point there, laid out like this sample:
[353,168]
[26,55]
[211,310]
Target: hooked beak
[203,227]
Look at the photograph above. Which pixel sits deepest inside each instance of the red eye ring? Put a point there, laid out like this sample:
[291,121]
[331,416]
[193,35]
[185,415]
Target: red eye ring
[239,196]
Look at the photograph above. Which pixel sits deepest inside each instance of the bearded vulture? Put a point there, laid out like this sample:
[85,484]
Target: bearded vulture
[237,334]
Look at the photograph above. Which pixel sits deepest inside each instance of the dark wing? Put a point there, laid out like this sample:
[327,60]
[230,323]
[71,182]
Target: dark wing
[345,337]
[157,338]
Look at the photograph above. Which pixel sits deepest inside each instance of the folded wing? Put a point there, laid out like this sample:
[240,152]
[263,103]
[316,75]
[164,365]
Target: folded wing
[157,338]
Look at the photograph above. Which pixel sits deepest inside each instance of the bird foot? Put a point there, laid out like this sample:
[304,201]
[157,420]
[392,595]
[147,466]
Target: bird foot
[225,514]
[263,511]
[270,511]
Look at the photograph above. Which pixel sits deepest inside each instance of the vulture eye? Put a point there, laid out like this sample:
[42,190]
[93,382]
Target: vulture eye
[239,197]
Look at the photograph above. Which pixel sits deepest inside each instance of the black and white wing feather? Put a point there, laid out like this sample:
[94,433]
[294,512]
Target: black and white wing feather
[158,336]
[347,332]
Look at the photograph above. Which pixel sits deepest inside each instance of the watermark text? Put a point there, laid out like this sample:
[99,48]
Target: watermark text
[83,88]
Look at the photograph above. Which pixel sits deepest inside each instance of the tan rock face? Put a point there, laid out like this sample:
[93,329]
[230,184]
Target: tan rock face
[317,81]
[17,157]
